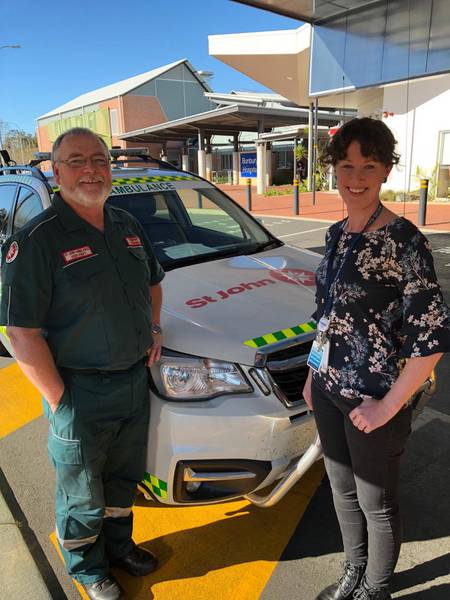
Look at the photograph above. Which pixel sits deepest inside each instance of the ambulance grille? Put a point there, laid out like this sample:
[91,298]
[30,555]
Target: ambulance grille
[289,371]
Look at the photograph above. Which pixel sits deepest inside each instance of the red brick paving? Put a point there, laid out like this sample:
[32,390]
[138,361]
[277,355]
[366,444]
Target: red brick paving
[330,207]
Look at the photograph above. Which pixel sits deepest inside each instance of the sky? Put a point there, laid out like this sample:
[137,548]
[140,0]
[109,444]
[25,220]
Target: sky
[70,48]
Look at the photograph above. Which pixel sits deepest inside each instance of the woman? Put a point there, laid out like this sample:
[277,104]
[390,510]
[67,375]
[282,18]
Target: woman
[378,303]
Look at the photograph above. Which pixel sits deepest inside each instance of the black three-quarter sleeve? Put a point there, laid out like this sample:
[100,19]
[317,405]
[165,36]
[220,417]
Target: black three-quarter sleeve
[425,315]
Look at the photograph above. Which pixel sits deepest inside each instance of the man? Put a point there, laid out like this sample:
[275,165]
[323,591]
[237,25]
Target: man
[81,301]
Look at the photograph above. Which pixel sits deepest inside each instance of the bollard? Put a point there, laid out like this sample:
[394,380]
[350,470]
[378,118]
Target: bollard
[423,201]
[296,197]
[249,195]
[199,200]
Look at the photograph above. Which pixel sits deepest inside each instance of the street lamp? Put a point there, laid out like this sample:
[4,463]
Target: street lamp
[1,48]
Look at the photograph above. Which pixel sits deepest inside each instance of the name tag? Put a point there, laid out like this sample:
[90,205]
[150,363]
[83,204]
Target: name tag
[318,356]
[133,241]
[75,254]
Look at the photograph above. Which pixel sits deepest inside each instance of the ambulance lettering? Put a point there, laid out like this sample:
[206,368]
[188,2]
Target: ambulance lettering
[224,294]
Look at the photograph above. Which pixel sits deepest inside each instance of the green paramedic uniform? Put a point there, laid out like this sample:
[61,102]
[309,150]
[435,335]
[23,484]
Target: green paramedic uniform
[90,294]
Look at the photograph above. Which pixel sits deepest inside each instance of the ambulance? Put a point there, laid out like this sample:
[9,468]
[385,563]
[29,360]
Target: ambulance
[228,419]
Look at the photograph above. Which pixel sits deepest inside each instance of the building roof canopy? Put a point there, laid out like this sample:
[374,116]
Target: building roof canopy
[310,11]
[228,120]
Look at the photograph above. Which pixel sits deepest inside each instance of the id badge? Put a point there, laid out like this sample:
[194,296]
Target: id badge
[318,356]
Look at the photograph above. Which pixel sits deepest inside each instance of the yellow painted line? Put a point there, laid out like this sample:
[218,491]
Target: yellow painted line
[77,585]
[19,400]
[219,552]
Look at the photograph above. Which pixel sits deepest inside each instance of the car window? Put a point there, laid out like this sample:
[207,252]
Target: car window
[28,206]
[7,193]
[193,225]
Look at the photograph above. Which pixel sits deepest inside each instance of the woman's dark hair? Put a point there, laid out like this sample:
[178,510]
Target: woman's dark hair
[375,138]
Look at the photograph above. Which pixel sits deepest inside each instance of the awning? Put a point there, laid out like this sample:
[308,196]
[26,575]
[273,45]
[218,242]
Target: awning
[228,120]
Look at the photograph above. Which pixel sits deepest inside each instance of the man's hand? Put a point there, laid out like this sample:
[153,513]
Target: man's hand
[154,352]
[56,399]
[371,414]
[307,391]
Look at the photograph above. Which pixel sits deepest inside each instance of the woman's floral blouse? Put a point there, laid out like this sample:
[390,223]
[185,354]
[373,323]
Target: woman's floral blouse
[387,306]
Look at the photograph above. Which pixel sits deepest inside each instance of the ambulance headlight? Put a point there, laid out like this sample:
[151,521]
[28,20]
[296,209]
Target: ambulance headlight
[191,378]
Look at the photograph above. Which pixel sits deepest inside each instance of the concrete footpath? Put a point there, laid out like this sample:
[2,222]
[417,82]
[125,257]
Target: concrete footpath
[19,575]
[329,206]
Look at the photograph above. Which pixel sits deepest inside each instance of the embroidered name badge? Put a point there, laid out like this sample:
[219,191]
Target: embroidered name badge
[12,252]
[75,254]
[133,241]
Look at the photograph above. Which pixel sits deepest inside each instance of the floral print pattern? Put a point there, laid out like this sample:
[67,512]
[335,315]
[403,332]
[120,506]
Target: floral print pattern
[387,307]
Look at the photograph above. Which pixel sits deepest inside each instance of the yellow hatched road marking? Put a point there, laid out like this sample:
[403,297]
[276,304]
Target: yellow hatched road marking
[219,552]
[19,399]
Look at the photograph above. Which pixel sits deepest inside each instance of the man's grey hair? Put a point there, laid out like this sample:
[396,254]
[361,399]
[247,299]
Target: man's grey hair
[74,132]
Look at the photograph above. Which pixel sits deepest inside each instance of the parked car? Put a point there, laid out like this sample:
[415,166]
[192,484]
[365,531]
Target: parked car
[227,414]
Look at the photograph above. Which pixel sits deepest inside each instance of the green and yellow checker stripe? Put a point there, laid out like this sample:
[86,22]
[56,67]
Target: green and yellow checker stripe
[3,330]
[122,181]
[157,486]
[154,178]
[279,336]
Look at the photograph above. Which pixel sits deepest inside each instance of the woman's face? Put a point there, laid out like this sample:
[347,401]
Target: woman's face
[359,178]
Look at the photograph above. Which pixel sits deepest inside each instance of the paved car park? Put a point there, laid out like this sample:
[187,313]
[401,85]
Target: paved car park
[235,550]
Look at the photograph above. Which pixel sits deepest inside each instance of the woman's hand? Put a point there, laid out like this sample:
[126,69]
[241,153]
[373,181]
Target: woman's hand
[154,352]
[307,391]
[371,414]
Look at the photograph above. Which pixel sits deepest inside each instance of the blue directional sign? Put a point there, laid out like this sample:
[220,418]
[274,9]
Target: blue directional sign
[248,164]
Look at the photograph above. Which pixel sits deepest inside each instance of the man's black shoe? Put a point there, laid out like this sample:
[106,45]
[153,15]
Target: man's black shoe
[137,562]
[105,589]
[346,584]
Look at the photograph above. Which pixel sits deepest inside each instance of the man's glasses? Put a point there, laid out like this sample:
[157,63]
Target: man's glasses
[78,163]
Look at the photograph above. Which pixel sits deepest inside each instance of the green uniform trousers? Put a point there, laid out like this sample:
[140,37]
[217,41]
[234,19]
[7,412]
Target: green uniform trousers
[97,443]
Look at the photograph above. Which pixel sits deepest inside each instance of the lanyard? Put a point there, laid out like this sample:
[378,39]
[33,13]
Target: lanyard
[330,283]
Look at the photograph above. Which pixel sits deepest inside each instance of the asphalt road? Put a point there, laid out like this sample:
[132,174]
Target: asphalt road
[311,555]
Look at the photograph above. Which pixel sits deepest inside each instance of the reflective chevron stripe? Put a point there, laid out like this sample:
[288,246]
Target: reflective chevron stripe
[77,543]
[117,511]
[283,334]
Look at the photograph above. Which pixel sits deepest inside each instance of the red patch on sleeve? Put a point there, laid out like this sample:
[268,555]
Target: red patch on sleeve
[70,256]
[12,252]
[133,241]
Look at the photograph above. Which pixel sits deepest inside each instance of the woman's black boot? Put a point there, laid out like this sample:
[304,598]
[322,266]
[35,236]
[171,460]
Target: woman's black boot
[346,584]
[365,592]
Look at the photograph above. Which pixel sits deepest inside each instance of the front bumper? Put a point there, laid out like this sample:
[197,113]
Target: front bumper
[224,448]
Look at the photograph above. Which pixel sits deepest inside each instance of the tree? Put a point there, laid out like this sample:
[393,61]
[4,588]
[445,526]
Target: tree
[20,144]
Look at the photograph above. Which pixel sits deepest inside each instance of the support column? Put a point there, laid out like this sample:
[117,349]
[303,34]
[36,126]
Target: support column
[201,154]
[208,159]
[260,162]
[185,159]
[269,163]
[314,165]
[164,152]
[235,159]
[310,145]
[294,169]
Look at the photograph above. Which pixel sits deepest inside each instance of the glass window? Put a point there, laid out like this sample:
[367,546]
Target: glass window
[28,206]
[7,193]
[113,121]
[187,225]
[443,174]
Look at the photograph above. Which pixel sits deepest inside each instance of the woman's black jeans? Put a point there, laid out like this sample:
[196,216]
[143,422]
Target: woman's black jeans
[363,469]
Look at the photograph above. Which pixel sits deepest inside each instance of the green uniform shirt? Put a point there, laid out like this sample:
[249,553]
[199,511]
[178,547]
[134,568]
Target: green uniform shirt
[89,291]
